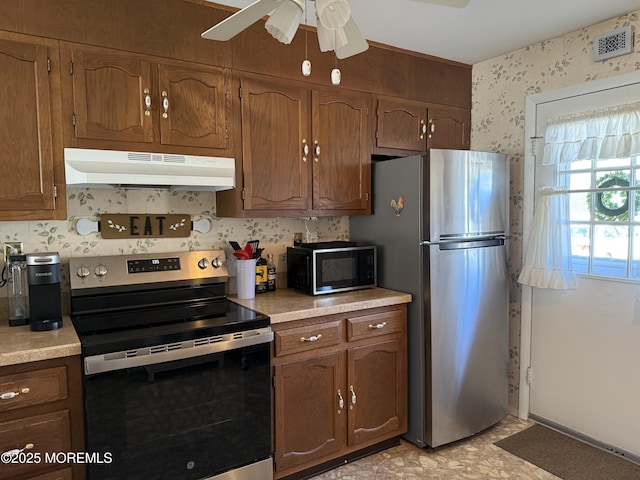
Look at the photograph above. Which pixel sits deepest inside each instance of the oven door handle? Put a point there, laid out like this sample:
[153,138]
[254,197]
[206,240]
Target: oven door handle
[141,357]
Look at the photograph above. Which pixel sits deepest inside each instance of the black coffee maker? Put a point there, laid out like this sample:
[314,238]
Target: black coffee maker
[45,304]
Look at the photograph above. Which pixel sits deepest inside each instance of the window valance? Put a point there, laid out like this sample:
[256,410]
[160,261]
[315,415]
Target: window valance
[596,134]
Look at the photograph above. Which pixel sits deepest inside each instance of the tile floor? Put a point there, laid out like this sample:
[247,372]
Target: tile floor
[476,458]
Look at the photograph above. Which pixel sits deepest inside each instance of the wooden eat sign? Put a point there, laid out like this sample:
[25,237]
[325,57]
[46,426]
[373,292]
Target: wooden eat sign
[135,225]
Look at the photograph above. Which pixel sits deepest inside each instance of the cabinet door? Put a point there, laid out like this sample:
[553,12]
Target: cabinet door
[26,145]
[109,92]
[193,106]
[341,151]
[449,127]
[401,124]
[376,395]
[275,130]
[309,424]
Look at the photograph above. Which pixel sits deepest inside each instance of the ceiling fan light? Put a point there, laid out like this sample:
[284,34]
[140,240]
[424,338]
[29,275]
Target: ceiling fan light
[283,22]
[326,39]
[333,13]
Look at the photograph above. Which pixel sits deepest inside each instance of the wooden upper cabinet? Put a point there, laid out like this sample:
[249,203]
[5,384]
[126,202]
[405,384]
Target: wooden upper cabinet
[109,90]
[193,106]
[29,117]
[121,101]
[449,127]
[409,126]
[401,124]
[341,151]
[304,152]
[275,130]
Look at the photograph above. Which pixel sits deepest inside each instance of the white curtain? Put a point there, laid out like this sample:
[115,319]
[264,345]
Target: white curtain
[547,262]
[596,134]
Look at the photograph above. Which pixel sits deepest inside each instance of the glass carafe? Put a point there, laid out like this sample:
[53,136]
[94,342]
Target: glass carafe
[18,290]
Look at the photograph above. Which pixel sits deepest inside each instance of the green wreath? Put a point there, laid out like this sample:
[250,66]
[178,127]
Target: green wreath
[604,207]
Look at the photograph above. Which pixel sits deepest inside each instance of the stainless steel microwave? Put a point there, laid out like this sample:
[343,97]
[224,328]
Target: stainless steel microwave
[330,267]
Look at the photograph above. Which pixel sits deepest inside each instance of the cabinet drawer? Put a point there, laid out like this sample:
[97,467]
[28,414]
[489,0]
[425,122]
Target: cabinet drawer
[374,324]
[48,433]
[32,388]
[302,339]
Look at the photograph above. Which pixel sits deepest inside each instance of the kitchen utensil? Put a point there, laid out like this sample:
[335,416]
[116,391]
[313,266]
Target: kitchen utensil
[254,244]
[235,245]
[242,255]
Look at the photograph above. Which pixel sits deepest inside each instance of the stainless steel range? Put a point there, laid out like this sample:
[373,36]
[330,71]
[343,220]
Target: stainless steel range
[177,381]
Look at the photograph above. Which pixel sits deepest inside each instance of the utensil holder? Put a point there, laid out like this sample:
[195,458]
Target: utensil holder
[246,278]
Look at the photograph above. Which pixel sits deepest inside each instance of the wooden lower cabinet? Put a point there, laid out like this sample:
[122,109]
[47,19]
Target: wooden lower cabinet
[334,398]
[308,426]
[41,416]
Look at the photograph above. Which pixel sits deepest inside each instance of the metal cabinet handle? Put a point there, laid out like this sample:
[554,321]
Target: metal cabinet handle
[432,128]
[378,326]
[316,151]
[9,455]
[165,104]
[353,397]
[423,129]
[10,395]
[305,149]
[340,402]
[312,338]
[147,102]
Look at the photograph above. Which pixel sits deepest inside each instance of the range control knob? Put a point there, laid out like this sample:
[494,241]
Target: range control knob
[83,271]
[216,262]
[203,263]
[100,270]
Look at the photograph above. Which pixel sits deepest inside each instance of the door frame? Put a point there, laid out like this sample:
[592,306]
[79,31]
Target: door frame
[528,202]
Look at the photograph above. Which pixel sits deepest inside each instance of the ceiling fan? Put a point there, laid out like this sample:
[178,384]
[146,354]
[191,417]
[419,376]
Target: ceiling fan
[336,28]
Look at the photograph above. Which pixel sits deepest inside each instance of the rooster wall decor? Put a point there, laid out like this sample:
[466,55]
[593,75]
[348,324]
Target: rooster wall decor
[397,205]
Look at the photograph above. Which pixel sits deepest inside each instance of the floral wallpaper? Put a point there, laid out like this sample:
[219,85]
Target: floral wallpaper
[275,234]
[500,86]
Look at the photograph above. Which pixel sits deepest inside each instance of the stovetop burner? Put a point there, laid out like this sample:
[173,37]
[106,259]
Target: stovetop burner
[121,303]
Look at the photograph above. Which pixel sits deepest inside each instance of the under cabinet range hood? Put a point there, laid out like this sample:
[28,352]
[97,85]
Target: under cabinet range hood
[112,168]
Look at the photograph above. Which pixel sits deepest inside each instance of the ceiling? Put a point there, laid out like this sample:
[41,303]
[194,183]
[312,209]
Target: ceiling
[483,30]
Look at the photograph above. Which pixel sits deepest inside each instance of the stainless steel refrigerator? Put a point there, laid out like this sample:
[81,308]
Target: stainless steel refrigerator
[440,222]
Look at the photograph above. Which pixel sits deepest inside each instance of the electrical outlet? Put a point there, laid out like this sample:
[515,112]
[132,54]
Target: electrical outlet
[281,266]
[11,248]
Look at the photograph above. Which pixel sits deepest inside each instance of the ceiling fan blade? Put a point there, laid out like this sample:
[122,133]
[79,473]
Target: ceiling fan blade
[231,26]
[356,43]
[447,3]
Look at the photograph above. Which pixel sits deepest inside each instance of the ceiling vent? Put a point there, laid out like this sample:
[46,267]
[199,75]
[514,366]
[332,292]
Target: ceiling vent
[613,44]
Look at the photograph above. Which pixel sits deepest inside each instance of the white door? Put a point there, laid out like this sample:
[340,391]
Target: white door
[585,343]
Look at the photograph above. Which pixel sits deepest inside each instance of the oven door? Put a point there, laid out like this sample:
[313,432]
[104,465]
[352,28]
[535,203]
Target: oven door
[186,418]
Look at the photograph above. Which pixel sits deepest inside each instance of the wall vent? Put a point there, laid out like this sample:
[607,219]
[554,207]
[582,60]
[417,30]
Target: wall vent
[613,44]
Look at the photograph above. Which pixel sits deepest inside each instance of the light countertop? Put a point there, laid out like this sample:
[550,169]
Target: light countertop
[285,305]
[21,345]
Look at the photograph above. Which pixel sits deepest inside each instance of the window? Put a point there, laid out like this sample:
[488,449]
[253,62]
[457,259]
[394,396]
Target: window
[597,159]
[604,215]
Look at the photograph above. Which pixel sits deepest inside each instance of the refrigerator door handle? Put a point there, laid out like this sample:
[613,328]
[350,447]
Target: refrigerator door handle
[493,242]
[458,240]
